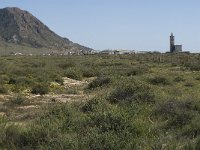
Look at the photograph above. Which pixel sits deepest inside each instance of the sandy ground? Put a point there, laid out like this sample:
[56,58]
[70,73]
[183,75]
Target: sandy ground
[36,102]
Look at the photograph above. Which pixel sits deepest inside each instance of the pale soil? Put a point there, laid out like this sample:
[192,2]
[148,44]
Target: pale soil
[2,114]
[20,113]
[71,82]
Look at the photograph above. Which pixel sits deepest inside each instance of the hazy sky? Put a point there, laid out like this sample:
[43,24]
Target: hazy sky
[123,24]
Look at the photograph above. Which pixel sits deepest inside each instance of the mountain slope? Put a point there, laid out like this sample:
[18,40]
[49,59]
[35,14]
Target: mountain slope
[22,28]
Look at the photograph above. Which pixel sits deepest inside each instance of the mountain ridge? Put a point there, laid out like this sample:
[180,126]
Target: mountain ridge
[22,28]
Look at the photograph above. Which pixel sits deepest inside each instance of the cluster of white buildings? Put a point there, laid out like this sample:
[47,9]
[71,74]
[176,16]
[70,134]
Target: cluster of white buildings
[121,51]
[93,52]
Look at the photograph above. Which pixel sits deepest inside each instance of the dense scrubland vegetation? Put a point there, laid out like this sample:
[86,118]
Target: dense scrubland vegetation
[143,101]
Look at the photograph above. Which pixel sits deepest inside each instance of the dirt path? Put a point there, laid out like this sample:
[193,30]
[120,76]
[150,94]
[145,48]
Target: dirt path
[68,83]
[73,91]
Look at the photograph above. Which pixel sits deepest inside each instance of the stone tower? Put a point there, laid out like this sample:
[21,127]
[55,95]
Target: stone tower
[174,48]
[172,43]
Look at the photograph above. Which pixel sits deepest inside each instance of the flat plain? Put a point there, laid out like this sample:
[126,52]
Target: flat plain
[138,101]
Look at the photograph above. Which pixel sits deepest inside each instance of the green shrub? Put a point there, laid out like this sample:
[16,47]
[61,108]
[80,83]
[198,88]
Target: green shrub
[21,81]
[179,79]
[4,79]
[198,78]
[177,113]
[134,72]
[197,145]
[107,122]
[192,130]
[180,119]
[16,137]
[43,77]
[17,100]
[96,104]
[3,108]
[52,130]
[189,84]
[59,80]
[91,105]
[109,130]
[71,90]
[192,145]
[66,65]
[160,81]
[37,64]
[3,89]
[139,70]
[11,137]
[108,141]
[18,71]
[99,82]
[40,89]
[88,72]
[193,66]
[3,123]
[132,91]
[73,74]
[37,138]
[12,80]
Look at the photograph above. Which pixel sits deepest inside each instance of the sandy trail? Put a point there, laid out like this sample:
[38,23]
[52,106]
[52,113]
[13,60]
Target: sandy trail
[36,102]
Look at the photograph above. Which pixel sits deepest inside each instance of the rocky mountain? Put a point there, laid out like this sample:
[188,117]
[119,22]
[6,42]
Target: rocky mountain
[19,27]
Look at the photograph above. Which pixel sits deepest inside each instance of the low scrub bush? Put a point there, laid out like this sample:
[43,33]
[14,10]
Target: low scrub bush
[192,130]
[43,77]
[193,145]
[179,79]
[109,130]
[71,90]
[12,80]
[41,89]
[66,65]
[17,100]
[73,73]
[52,130]
[132,91]
[189,84]
[107,122]
[180,119]
[193,66]
[20,81]
[16,137]
[99,82]
[3,89]
[18,71]
[3,123]
[198,78]
[197,146]
[139,70]
[59,79]
[3,108]
[90,106]
[177,113]
[159,81]
[61,116]
[96,104]
[134,72]
[37,64]
[88,72]
[4,79]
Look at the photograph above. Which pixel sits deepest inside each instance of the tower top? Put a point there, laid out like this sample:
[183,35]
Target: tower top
[172,34]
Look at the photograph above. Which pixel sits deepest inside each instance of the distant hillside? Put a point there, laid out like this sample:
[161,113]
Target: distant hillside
[20,29]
